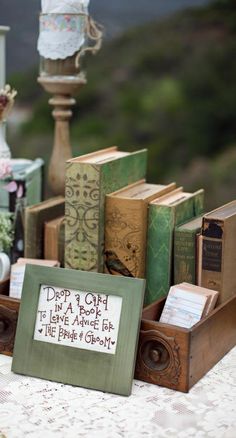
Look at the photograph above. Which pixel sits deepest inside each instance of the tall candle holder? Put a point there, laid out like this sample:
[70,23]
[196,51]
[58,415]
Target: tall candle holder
[62,89]
[61,42]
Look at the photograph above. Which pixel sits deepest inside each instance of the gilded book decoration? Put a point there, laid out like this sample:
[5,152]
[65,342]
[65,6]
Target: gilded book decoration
[82,212]
[126,213]
[88,179]
[123,235]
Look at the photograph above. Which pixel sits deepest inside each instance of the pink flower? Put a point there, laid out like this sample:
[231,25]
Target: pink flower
[5,168]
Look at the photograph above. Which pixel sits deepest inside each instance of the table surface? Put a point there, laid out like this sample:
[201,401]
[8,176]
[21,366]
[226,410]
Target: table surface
[35,408]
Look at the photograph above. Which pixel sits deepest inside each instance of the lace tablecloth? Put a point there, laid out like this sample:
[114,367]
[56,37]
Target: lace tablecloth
[35,408]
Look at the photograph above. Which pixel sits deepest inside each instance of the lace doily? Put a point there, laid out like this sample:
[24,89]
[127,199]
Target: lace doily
[37,408]
[61,35]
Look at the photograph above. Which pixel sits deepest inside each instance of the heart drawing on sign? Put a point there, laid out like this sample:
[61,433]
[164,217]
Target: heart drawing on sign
[40,331]
[113,342]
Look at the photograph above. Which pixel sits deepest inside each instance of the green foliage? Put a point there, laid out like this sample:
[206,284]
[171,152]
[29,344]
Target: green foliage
[6,232]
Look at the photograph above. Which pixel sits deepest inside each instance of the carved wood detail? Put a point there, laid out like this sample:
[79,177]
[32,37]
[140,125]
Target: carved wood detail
[158,358]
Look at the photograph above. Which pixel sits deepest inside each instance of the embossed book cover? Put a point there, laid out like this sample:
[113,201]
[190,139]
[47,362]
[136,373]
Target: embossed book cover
[164,215]
[126,227]
[88,179]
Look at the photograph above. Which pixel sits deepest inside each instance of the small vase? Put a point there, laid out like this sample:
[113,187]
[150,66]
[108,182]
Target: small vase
[4,148]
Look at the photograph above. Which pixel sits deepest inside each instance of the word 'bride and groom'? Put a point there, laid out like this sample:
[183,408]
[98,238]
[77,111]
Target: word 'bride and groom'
[79,319]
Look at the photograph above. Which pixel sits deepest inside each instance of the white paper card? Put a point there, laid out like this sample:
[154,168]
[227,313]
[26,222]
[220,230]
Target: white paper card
[78,319]
[16,280]
[182,308]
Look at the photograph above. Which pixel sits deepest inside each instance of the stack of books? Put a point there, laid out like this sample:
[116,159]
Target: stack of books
[111,220]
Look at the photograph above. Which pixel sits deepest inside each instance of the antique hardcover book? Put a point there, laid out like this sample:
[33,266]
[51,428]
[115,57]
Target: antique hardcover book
[88,179]
[54,239]
[35,216]
[126,227]
[25,173]
[219,251]
[164,215]
[185,251]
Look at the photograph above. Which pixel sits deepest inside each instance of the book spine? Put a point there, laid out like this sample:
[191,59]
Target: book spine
[184,256]
[31,236]
[86,188]
[211,274]
[159,251]
[212,255]
[125,237]
[50,242]
[82,194]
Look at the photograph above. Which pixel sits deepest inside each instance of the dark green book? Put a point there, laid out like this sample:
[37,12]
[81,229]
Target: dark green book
[164,215]
[185,251]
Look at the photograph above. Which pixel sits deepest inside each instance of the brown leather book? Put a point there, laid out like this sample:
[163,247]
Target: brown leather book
[54,239]
[126,227]
[35,217]
[219,251]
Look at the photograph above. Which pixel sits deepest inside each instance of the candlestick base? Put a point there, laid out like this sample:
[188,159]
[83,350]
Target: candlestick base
[62,87]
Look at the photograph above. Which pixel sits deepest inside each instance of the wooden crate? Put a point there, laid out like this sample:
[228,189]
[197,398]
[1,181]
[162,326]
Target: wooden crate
[9,309]
[176,357]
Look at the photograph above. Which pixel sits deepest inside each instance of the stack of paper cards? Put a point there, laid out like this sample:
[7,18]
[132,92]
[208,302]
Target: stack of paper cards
[186,304]
[18,273]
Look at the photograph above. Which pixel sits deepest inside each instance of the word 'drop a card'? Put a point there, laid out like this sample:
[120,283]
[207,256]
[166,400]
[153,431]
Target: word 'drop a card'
[79,319]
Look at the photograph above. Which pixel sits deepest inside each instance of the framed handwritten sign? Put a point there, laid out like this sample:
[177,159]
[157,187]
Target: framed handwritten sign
[79,328]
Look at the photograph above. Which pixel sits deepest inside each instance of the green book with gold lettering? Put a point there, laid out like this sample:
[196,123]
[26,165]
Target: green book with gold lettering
[164,215]
[185,251]
[88,179]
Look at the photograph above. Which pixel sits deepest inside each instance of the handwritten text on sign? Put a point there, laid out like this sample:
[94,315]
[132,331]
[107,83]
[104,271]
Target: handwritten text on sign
[79,319]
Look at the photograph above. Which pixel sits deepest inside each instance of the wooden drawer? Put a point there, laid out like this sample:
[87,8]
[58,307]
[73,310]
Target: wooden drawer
[176,357]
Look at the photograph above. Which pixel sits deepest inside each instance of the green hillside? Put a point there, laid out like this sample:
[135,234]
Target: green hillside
[168,86]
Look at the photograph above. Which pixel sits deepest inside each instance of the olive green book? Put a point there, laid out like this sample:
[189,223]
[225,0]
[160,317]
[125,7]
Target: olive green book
[88,179]
[185,251]
[35,217]
[164,215]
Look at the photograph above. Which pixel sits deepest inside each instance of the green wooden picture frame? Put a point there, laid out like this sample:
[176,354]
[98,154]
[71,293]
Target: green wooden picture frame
[74,365]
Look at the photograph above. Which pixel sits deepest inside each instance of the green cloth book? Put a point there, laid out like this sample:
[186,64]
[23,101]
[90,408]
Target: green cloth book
[164,215]
[185,251]
[35,217]
[88,179]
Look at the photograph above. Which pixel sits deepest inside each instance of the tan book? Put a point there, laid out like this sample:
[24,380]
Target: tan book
[126,227]
[54,239]
[35,217]
[219,251]
[18,273]
[211,294]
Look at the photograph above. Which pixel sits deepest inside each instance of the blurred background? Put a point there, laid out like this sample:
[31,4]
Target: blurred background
[165,79]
